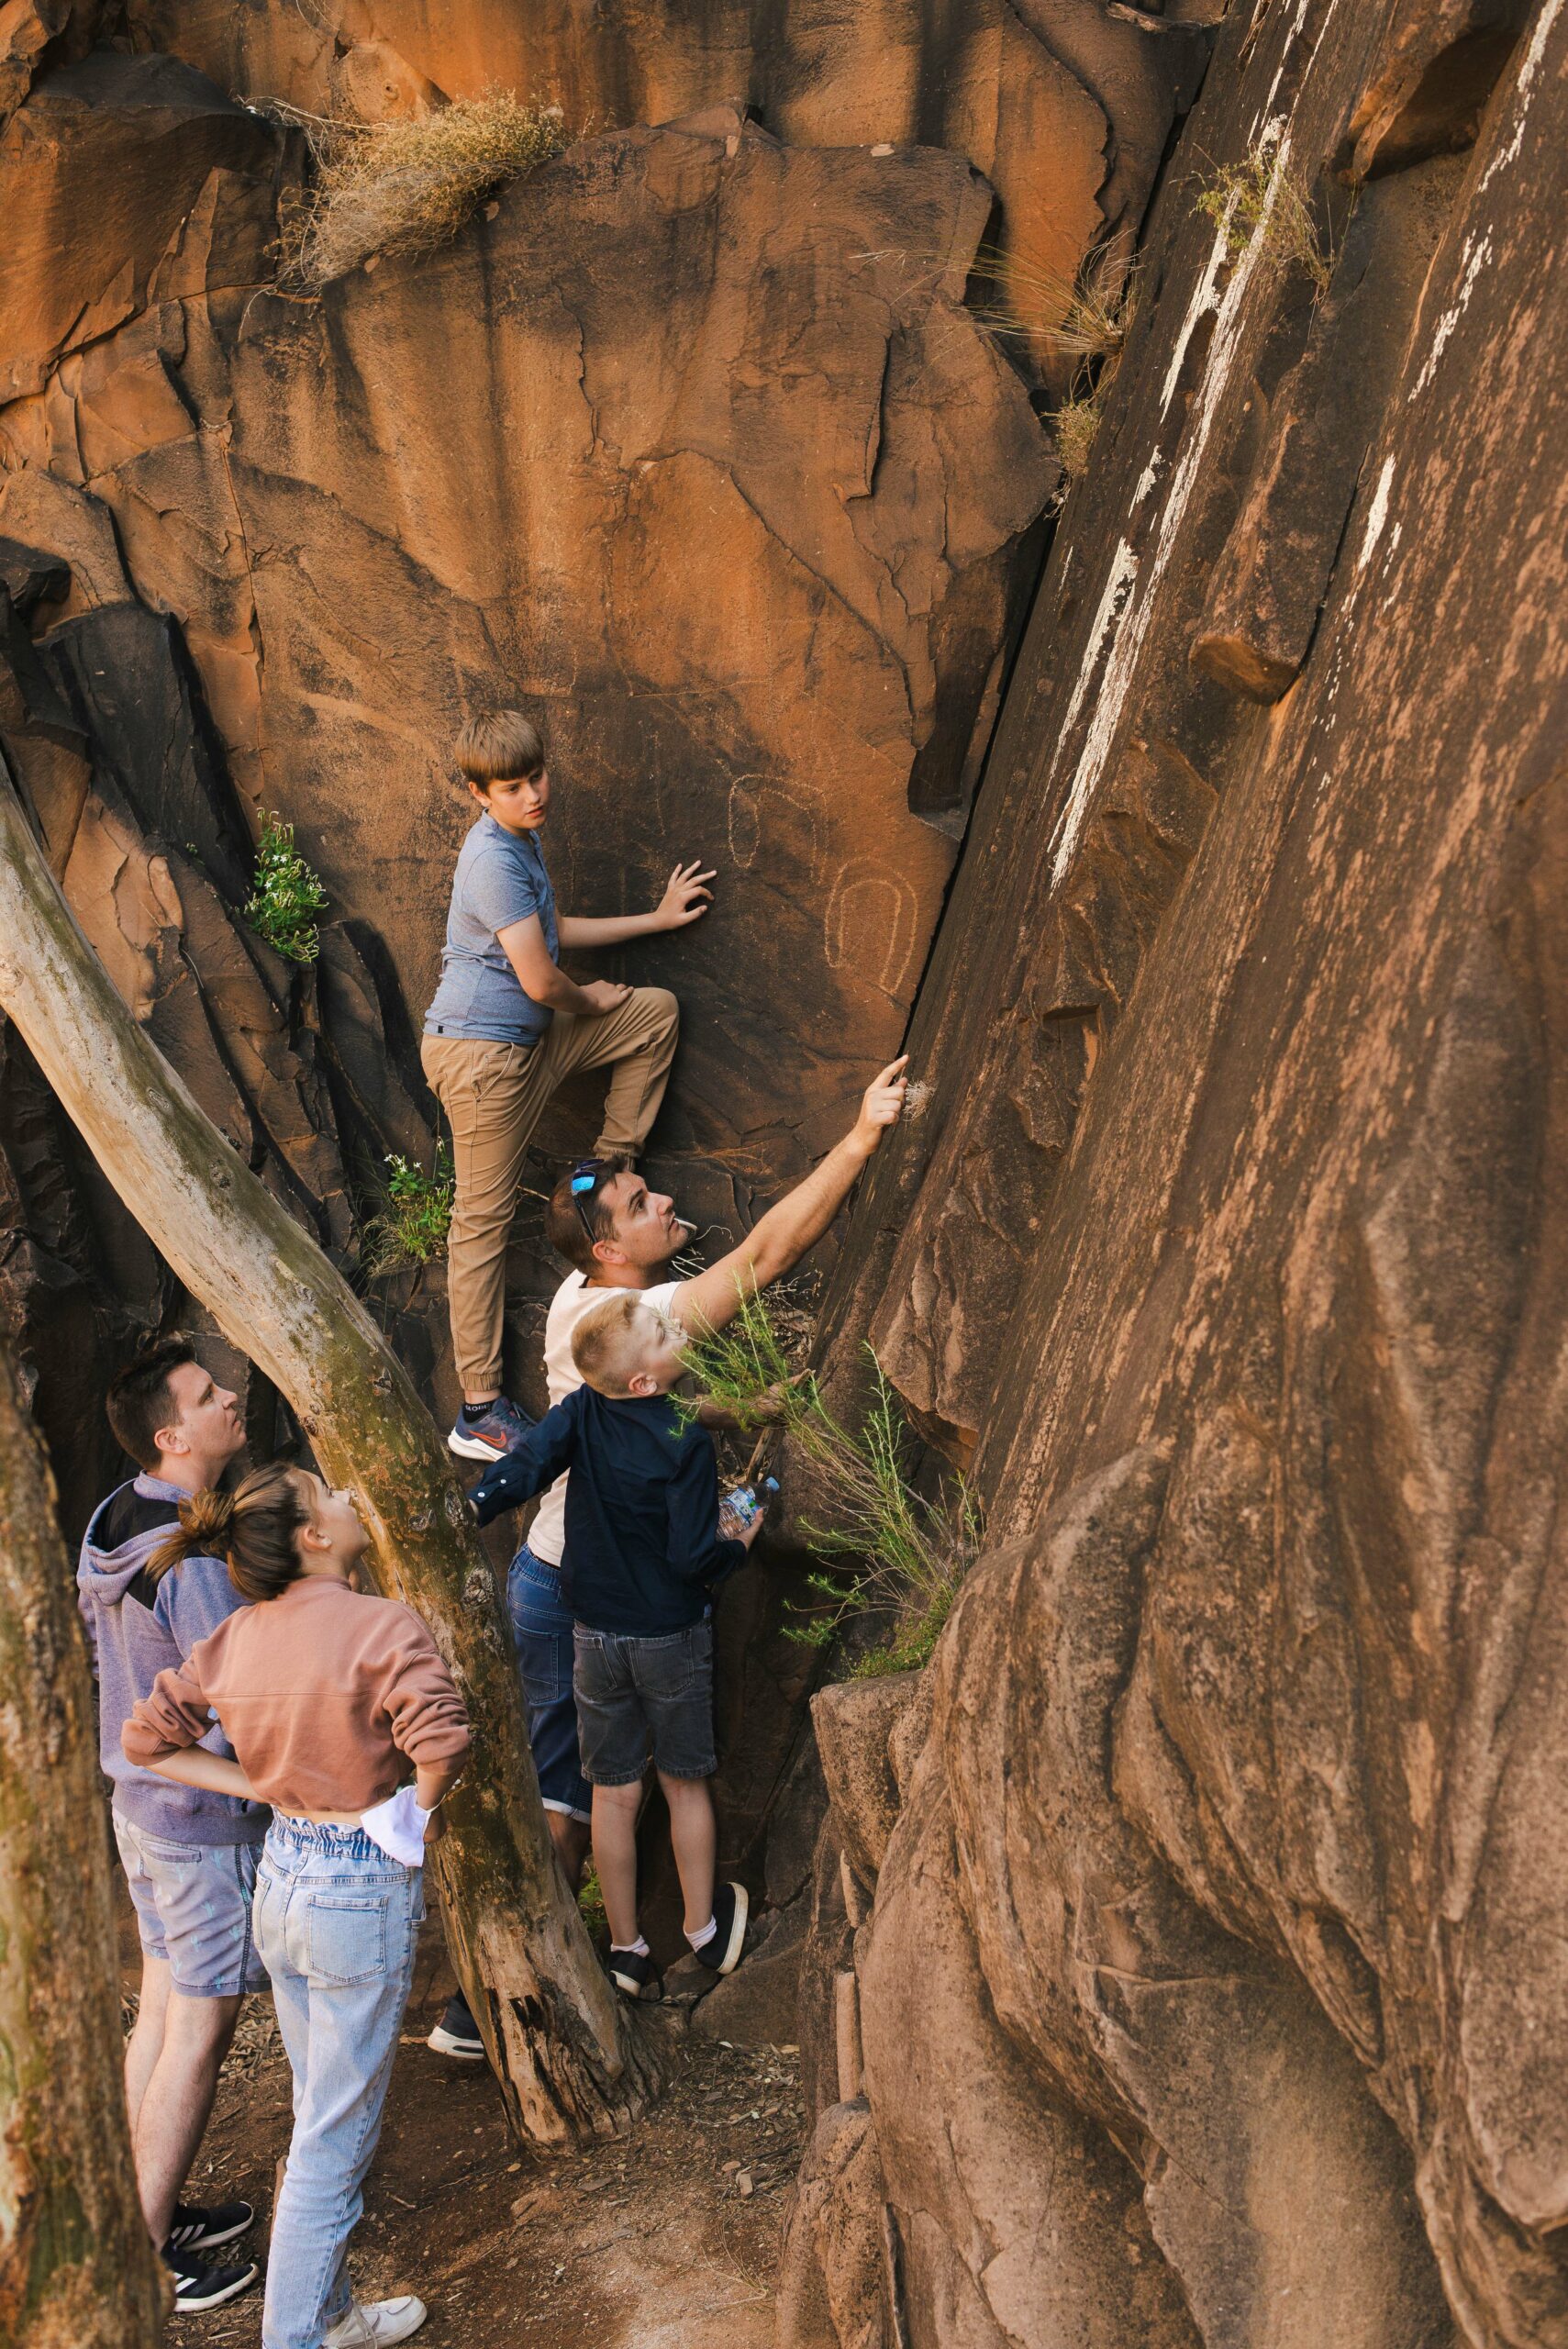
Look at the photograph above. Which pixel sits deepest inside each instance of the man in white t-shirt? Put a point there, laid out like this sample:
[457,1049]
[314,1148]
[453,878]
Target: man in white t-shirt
[619,1235]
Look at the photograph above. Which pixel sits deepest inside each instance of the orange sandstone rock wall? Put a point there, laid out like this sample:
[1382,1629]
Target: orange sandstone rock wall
[694,440]
[1203,1979]
[1065,106]
[691,443]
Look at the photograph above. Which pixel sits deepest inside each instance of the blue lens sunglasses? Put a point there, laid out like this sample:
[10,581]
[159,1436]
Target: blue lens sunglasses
[586,1176]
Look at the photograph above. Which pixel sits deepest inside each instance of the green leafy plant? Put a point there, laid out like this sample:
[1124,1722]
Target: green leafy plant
[286,895]
[404,187]
[412,1224]
[591,1904]
[1251,198]
[903,1554]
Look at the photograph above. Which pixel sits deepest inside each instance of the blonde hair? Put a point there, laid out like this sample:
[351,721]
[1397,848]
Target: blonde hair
[255,1528]
[610,1344]
[502,743]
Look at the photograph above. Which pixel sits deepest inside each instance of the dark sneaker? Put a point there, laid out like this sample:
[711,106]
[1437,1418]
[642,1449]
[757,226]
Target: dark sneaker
[457,2033]
[203,2226]
[731,1906]
[498,1430]
[633,1975]
[197,2287]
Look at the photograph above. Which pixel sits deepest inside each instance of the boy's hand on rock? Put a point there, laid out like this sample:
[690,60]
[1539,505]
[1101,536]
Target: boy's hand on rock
[883,1105]
[605,995]
[686,896]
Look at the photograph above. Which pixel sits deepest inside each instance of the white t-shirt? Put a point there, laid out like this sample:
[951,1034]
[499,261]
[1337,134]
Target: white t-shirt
[572,1299]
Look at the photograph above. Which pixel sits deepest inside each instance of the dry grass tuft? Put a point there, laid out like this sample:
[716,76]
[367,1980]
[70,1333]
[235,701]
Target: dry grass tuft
[1074,424]
[1247,200]
[405,187]
[1093,318]
[1093,315]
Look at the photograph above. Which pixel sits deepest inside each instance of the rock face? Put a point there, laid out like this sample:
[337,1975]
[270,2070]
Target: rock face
[1065,106]
[690,352]
[1212,1984]
[690,443]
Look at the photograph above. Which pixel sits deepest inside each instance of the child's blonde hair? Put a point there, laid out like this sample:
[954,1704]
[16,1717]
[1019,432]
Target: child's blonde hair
[503,742]
[610,1344]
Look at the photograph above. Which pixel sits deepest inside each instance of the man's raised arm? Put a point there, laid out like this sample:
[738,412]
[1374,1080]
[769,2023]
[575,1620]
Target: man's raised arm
[778,1239]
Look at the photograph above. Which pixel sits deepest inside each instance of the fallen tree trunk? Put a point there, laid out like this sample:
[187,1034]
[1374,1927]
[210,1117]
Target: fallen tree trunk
[570,2060]
[75,2261]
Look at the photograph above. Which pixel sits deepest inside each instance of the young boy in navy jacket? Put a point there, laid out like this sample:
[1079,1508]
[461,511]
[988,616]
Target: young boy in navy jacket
[643,1553]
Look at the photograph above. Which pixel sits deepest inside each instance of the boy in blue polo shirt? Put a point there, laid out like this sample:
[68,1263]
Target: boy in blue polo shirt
[507,1026]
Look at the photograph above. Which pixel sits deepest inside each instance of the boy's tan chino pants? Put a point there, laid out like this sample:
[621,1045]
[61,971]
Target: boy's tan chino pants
[494,1095]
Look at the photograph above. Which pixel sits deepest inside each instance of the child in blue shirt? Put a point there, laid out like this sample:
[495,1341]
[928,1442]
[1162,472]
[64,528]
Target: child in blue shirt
[506,1027]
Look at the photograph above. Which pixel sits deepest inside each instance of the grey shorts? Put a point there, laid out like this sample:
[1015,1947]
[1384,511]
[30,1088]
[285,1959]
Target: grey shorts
[193,1910]
[635,1694]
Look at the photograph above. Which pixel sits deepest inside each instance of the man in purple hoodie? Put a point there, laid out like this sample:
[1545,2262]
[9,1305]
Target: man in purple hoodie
[189,1857]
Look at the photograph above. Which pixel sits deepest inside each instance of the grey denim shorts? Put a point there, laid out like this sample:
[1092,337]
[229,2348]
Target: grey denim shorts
[633,1694]
[193,1910]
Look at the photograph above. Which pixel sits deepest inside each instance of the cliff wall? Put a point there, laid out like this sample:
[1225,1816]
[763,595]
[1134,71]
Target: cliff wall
[1201,1975]
[690,442]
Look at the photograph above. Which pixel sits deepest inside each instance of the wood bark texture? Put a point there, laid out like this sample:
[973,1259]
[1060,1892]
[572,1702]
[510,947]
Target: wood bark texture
[571,2062]
[76,2268]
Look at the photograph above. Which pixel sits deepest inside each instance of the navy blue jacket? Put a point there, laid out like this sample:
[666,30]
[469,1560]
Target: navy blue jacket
[642,1541]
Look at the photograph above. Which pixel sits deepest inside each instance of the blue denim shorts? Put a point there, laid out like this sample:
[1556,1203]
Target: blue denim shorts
[193,1910]
[636,1694]
[541,1632]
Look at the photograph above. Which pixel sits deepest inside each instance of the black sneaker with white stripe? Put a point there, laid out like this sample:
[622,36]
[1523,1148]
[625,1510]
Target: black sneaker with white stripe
[203,2226]
[457,2033]
[731,1906]
[198,2286]
[634,1975]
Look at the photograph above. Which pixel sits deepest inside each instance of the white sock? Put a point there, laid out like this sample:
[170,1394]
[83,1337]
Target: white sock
[639,1948]
[701,1940]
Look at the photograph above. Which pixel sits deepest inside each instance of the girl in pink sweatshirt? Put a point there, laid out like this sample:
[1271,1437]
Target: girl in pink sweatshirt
[331,1700]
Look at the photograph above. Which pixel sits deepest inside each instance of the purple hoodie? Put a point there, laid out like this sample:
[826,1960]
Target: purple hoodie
[136,1627]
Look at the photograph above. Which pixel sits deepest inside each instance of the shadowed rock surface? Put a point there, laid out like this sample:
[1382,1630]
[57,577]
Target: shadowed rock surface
[1227,1255]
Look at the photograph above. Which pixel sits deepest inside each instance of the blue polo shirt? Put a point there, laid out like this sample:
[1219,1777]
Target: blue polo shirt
[500,879]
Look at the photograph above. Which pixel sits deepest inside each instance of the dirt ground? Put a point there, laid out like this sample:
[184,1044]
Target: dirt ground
[666,2240]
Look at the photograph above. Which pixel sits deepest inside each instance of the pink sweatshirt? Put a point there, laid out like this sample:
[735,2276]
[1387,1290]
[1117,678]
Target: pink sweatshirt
[325,1694]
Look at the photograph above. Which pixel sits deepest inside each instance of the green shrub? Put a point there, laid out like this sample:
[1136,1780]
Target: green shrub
[411,1226]
[904,1555]
[286,895]
[405,187]
[1247,200]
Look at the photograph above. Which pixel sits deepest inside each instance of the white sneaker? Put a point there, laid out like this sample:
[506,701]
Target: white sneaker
[372,2324]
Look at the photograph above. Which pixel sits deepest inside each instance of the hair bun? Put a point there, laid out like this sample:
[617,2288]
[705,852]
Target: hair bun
[208,1517]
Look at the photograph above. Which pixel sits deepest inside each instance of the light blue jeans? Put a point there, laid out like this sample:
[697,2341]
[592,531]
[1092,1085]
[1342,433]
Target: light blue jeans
[337,1924]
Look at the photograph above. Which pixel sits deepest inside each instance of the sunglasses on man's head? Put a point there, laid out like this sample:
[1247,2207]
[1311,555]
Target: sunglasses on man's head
[586,1176]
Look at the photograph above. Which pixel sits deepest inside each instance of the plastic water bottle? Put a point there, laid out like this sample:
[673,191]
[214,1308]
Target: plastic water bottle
[747,1502]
